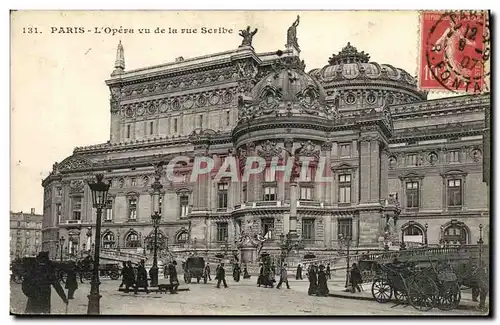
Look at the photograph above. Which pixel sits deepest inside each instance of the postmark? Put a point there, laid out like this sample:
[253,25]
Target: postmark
[455,51]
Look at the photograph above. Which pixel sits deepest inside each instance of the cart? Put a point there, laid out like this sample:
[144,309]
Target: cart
[194,267]
[408,284]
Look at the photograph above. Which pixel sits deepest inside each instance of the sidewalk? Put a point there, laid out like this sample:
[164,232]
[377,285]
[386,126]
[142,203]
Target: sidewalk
[337,289]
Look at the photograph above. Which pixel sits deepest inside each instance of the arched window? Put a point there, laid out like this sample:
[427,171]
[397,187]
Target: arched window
[455,234]
[414,234]
[182,237]
[132,240]
[108,240]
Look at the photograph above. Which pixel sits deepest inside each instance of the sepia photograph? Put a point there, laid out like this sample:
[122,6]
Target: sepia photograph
[258,163]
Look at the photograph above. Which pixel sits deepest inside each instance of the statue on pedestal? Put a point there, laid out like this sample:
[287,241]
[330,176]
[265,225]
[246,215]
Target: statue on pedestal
[291,35]
[247,36]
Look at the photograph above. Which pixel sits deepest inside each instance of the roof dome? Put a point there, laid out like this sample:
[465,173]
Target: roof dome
[350,64]
[290,79]
[287,91]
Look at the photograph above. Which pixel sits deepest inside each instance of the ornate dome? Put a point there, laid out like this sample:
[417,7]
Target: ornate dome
[290,79]
[350,64]
[287,91]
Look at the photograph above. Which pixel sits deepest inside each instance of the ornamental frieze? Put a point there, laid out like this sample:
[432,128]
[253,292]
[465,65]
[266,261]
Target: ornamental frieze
[308,149]
[180,82]
[176,103]
[74,163]
[269,149]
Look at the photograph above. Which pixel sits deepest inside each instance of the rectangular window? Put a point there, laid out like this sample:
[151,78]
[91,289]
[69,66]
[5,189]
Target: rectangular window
[128,131]
[59,212]
[222,231]
[222,195]
[309,176]
[109,211]
[412,195]
[308,229]
[59,191]
[77,208]
[411,159]
[228,118]
[306,193]
[345,188]
[454,156]
[245,194]
[200,121]
[268,228]
[175,125]
[454,192]
[151,124]
[184,204]
[269,174]
[345,150]
[133,182]
[132,209]
[269,193]
[344,228]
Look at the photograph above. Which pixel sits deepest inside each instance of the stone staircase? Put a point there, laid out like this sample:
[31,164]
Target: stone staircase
[113,255]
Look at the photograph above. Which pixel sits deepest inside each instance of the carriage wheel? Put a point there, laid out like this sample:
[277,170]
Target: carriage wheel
[449,296]
[422,293]
[381,290]
[114,275]
[401,296]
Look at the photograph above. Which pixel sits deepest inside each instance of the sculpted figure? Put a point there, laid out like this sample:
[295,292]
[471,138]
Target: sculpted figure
[291,36]
[247,36]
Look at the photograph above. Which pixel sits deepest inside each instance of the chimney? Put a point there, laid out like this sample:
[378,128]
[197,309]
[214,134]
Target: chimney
[32,210]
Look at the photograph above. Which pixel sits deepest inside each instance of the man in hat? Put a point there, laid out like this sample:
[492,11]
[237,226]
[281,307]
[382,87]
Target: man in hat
[142,278]
[37,285]
[221,276]
[283,277]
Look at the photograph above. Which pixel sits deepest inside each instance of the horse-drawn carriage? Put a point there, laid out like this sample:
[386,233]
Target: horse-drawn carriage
[424,285]
[194,267]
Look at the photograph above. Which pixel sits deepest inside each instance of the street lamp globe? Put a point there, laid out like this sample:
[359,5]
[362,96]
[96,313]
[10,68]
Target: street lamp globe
[99,191]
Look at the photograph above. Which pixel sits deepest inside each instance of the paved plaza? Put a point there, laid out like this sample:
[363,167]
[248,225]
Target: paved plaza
[242,298]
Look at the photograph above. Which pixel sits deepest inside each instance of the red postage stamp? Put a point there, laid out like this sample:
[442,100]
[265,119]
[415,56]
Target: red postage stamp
[455,51]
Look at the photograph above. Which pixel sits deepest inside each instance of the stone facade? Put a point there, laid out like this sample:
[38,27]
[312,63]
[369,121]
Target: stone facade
[25,234]
[385,146]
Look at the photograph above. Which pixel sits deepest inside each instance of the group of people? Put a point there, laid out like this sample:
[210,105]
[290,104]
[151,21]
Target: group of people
[267,276]
[138,278]
[318,279]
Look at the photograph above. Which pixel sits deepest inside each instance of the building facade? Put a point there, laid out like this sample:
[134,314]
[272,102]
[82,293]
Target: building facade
[401,167]
[25,234]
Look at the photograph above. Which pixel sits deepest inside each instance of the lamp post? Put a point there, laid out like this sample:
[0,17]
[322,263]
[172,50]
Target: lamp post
[155,218]
[89,238]
[402,246]
[99,197]
[118,242]
[441,240]
[426,240]
[347,242]
[61,244]
[386,241]
[480,243]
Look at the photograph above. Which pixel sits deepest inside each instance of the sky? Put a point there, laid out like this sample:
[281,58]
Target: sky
[59,99]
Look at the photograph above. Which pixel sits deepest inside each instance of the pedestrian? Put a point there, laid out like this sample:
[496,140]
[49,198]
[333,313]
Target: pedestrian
[273,273]
[236,273]
[123,274]
[207,272]
[79,266]
[260,279]
[129,276]
[298,275]
[313,280]
[356,279]
[172,274]
[71,281]
[142,278]
[245,273]
[37,285]
[283,277]
[322,282]
[221,276]
[328,271]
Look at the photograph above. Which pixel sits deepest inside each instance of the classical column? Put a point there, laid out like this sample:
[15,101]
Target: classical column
[326,152]
[384,173]
[370,168]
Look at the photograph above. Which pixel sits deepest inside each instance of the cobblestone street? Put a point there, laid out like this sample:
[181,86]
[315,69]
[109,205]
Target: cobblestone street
[243,298]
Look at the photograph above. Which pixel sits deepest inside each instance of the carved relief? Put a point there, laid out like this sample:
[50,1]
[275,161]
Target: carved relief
[392,162]
[326,146]
[432,158]
[308,149]
[475,154]
[77,185]
[73,163]
[269,149]
[308,99]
